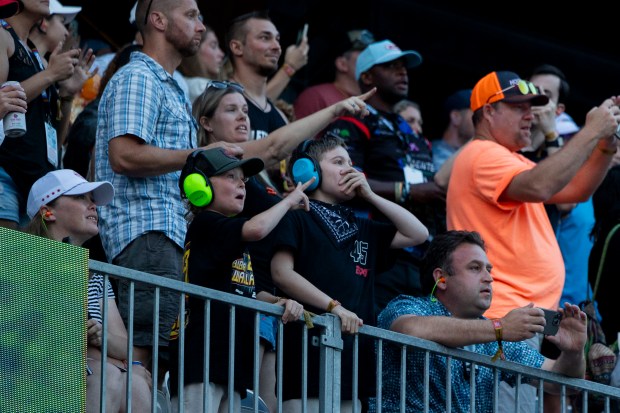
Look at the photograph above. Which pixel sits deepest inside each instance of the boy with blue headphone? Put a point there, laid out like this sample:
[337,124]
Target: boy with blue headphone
[327,259]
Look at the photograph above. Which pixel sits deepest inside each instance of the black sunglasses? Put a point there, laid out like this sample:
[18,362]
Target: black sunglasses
[224,84]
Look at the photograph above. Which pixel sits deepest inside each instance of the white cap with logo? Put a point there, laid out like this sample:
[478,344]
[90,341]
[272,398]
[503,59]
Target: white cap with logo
[68,12]
[65,182]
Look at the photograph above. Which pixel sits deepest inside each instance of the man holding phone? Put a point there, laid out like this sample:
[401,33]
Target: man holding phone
[456,278]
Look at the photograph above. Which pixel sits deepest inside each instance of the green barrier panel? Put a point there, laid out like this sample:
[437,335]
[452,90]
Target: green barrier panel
[43,297]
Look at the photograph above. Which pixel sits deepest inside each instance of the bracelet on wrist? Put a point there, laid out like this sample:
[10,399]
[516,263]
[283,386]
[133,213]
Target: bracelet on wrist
[497,325]
[288,69]
[332,304]
[277,299]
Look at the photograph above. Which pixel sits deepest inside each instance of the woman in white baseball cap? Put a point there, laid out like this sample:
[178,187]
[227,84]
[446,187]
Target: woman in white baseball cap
[62,206]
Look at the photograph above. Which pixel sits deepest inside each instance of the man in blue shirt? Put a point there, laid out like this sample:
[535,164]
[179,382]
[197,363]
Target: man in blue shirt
[145,132]
[457,270]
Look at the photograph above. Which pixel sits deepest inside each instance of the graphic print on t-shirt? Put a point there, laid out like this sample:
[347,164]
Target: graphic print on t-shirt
[242,276]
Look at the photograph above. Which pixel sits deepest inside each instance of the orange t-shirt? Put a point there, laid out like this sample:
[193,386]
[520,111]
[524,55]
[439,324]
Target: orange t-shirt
[521,245]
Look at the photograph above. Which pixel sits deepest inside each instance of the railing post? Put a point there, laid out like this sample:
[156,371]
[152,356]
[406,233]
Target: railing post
[331,352]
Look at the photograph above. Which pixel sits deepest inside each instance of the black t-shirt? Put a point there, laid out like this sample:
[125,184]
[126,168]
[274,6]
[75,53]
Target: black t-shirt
[263,123]
[345,272]
[259,198]
[388,150]
[216,257]
[25,158]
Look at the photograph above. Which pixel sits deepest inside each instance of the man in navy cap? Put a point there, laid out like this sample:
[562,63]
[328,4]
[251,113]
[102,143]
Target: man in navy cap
[397,162]
[459,127]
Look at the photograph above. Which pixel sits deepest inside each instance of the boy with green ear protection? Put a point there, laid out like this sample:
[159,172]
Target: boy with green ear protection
[216,256]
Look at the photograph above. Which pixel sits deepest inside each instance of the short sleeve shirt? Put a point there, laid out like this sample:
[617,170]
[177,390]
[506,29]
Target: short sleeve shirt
[142,100]
[518,352]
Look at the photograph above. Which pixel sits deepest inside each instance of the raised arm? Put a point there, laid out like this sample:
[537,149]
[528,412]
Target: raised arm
[410,231]
[295,58]
[262,224]
[575,171]
[280,143]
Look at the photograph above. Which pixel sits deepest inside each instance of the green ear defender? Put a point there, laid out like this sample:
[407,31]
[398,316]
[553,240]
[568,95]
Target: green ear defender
[194,185]
[198,190]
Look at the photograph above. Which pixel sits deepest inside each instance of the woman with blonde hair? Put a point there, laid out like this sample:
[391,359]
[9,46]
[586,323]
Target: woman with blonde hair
[62,206]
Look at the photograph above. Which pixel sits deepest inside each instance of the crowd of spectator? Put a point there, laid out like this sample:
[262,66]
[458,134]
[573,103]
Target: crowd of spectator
[188,163]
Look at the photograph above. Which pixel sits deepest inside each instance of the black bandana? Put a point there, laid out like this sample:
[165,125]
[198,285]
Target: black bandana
[337,221]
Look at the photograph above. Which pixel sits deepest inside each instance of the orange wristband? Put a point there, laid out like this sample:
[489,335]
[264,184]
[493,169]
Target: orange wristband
[497,325]
[332,304]
[288,69]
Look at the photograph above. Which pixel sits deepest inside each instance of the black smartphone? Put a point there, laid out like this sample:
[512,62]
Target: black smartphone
[301,34]
[553,319]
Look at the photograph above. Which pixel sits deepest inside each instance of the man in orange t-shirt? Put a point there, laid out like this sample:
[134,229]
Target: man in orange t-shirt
[500,194]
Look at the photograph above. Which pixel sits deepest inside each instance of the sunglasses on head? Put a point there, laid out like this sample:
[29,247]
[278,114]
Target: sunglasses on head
[360,38]
[523,86]
[224,84]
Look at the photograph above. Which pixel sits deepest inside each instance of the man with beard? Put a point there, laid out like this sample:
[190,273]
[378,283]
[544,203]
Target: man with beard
[254,48]
[397,162]
[145,133]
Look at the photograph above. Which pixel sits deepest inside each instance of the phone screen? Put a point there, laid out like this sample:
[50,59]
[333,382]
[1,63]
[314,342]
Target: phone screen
[302,33]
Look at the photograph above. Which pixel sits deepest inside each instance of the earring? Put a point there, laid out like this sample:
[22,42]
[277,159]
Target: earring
[48,214]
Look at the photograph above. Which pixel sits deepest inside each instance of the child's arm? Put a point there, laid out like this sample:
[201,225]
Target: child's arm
[262,224]
[410,230]
[296,286]
[292,309]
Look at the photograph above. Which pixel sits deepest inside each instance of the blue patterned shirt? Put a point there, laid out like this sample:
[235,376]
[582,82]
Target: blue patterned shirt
[143,100]
[422,306]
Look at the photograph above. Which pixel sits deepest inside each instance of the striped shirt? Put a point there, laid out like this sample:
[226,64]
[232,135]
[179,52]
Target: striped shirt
[95,295]
[143,100]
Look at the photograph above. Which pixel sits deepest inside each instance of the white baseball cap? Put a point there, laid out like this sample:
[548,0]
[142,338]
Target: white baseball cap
[65,182]
[68,12]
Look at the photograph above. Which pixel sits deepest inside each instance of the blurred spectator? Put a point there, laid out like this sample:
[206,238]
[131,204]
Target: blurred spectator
[412,114]
[348,45]
[205,65]
[459,127]
[607,214]
[27,158]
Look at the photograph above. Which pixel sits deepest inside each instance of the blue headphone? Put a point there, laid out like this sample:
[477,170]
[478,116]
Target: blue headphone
[304,167]
[194,184]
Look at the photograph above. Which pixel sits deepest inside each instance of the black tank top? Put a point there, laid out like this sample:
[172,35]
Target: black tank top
[25,158]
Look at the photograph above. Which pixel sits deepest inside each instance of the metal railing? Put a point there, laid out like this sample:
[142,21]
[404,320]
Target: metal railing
[330,344]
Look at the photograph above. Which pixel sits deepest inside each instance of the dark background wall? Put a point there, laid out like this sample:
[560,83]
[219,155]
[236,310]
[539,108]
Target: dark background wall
[459,41]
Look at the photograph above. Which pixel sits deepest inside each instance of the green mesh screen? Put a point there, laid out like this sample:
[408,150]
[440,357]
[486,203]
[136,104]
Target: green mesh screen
[43,297]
